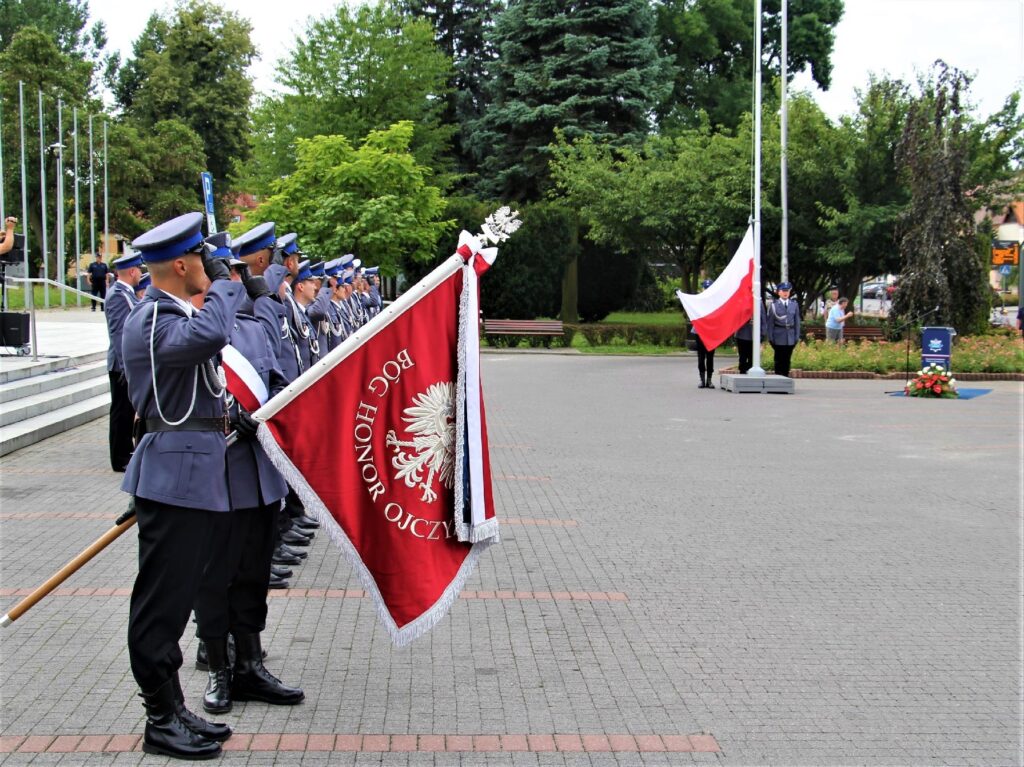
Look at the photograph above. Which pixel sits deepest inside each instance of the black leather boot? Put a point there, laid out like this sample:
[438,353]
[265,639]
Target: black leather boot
[166,732]
[202,661]
[250,680]
[709,384]
[210,730]
[217,699]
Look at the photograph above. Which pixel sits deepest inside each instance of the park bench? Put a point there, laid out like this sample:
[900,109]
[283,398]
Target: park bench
[523,328]
[850,332]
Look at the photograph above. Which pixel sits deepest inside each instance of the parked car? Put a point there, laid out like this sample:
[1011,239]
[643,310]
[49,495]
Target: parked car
[873,289]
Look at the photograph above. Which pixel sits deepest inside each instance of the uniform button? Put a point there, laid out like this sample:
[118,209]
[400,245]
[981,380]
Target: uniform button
[188,446]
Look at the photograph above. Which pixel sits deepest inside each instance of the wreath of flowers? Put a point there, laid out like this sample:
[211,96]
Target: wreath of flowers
[932,381]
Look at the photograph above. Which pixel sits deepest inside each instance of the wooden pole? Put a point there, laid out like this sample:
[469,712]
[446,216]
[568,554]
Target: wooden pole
[121,524]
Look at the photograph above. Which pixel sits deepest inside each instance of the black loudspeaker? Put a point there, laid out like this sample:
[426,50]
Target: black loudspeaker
[14,329]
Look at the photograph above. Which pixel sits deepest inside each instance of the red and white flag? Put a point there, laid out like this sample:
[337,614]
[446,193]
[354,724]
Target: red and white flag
[385,442]
[243,380]
[726,306]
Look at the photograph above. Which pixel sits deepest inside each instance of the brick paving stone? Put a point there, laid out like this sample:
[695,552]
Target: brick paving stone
[815,579]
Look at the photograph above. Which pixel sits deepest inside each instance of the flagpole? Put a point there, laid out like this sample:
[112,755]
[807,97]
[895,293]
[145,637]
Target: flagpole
[784,132]
[42,204]
[61,245]
[78,231]
[756,369]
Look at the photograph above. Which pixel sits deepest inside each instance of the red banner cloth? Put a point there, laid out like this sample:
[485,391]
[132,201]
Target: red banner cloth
[371,448]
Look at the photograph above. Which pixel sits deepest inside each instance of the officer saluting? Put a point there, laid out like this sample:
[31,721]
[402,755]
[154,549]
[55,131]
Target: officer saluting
[178,473]
[783,328]
[121,300]
[233,595]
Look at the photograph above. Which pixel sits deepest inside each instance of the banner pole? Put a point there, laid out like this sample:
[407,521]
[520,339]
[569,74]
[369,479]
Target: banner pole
[757,370]
[121,524]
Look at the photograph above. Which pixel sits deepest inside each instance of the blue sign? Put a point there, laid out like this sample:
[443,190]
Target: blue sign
[1005,270]
[936,346]
[211,221]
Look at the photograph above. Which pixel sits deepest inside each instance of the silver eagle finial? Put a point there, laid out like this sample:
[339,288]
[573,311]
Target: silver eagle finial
[500,225]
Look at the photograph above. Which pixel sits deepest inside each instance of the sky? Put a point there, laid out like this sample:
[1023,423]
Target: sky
[901,38]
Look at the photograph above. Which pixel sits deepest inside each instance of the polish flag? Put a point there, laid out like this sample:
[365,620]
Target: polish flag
[726,306]
[243,381]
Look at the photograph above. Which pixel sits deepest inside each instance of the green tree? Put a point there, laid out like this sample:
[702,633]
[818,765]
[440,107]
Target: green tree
[941,264]
[34,59]
[192,66]
[711,43]
[461,28]
[374,201]
[354,72]
[587,68]
[152,173]
[863,227]
[63,21]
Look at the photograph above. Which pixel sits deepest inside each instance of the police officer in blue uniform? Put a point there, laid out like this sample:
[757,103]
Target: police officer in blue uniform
[304,292]
[783,328]
[255,248]
[233,594]
[177,475]
[121,299]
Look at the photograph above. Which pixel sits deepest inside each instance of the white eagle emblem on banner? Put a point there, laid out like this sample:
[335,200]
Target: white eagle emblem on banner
[431,422]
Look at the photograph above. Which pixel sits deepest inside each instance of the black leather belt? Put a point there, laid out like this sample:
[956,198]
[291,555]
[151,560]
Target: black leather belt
[189,424]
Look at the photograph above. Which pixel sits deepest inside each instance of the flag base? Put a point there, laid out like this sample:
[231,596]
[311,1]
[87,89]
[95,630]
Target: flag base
[764,384]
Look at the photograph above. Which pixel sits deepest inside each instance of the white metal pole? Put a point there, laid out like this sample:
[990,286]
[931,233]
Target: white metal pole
[92,198]
[784,272]
[106,216]
[78,221]
[61,250]
[3,211]
[29,297]
[42,203]
[756,369]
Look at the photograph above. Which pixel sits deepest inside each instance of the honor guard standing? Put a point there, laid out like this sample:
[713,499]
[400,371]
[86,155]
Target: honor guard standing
[373,279]
[255,249]
[143,286]
[178,474]
[332,326]
[121,299]
[783,328]
[233,595]
[705,356]
[304,293]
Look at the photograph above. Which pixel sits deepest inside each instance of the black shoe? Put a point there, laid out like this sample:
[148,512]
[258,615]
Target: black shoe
[277,583]
[294,538]
[202,661]
[250,680]
[280,572]
[702,385]
[217,731]
[291,551]
[217,698]
[306,523]
[280,558]
[167,733]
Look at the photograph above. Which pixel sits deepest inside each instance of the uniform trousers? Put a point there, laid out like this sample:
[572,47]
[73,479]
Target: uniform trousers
[745,350]
[122,418]
[705,360]
[98,290]
[783,354]
[171,562]
[233,593]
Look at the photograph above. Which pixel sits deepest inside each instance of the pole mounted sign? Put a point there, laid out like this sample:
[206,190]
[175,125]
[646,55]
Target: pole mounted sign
[1005,253]
[211,221]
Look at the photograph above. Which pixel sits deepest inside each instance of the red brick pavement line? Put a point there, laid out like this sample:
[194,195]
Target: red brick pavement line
[378,743]
[573,596]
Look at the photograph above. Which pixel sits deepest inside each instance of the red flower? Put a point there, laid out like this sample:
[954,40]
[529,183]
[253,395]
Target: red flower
[937,389]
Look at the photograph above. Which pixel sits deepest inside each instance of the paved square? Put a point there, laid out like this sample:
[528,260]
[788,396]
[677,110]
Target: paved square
[685,576]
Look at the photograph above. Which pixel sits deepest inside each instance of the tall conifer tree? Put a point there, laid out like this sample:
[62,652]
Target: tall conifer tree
[585,67]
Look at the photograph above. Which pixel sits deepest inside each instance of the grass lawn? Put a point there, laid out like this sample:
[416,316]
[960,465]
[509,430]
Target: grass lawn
[16,298]
[645,318]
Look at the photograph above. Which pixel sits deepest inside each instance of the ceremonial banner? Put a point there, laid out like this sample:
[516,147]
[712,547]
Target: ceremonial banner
[726,306]
[385,442]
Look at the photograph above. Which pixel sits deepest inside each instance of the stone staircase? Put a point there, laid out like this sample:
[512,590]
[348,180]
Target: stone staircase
[49,397]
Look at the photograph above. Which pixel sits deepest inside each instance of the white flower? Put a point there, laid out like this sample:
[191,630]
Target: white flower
[952,381]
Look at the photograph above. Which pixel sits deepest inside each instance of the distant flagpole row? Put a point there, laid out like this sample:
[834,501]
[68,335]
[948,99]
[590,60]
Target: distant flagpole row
[58,170]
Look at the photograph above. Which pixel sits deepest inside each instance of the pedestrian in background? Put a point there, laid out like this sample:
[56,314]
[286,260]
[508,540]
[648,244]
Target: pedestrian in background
[98,274]
[705,356]
[837,317]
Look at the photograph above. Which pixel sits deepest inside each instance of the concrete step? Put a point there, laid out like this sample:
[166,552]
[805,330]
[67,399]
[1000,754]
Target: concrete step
[40,427]
[37,384]
[20,368]
[55,399]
